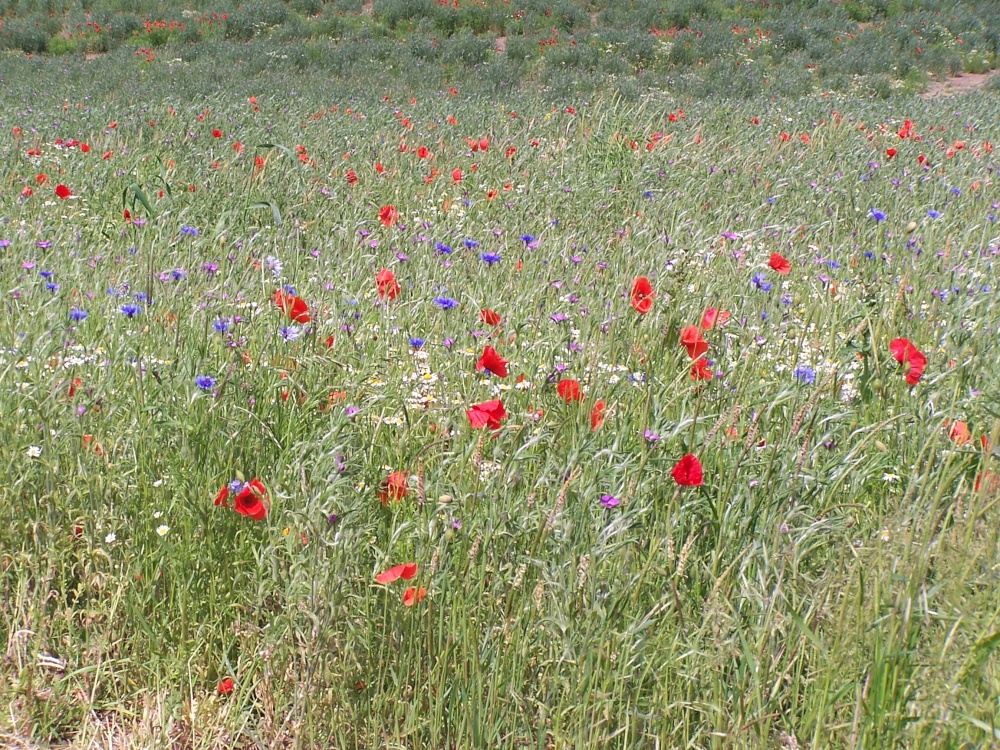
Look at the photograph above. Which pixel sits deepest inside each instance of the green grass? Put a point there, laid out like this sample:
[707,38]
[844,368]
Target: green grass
[832,583]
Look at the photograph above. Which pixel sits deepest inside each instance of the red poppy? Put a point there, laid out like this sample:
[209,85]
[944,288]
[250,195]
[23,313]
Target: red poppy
[226,686]
[988,482]
[413,595]
[890,153]
[84,148]
[388,215]
[597,416]
[700,369]
[687,472]
[906,353]
[251,500]
[423,153]
[222,497]
[294,307]
[489,317]
[379,168]
[63,192]
[486,414]
[958,432]
[642,295]
[484,143]
[493,362]
[388,287]
[510,151]
[27,192]
[456,175]
[712,316]
[569,390]
[406,571]
[107,155]
[691,338]
[395,487]
[351,176]
[41,178]
[779,264]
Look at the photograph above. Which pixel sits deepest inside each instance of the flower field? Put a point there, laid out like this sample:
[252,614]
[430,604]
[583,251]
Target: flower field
[446,422]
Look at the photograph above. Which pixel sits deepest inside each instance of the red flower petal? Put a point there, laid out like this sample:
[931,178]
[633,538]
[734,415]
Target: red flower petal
[486,414]
[642,295]
[413,595]
[63,192]
[569,390]
[779,264]
[489,317]
[688,471]
[597,416]
[493,362]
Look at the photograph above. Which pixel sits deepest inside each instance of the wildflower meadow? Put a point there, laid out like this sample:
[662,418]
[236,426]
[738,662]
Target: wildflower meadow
[360,418]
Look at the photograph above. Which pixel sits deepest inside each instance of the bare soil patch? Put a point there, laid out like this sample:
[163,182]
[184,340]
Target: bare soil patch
[957,85]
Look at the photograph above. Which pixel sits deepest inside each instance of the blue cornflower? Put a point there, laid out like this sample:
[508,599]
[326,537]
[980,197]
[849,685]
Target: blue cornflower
[490,258]
[442,248]
[786,299]
[445,303]
[648,194]
[46,274]
[141,296]
[870,255]
[177,274]
[877,215]
[190,231]
[471,244]
[236,486]
[289,289]
[289,333]
[130,310]
[956,191]
[934,214]
[527,239]
[205,382]
[760,281]
[415,342]
[772,200]
[804,374]
[833,264]
[52,286]
[77,315]
[221,325]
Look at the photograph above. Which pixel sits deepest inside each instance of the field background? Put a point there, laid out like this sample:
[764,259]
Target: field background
[833,583]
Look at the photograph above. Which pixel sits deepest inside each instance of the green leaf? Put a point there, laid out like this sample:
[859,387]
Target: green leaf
[268,204]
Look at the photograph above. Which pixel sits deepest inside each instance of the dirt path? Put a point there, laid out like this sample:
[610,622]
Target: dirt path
[368,7]
[957,85]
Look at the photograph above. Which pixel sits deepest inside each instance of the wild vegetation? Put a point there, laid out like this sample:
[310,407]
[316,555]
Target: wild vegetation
[352,407]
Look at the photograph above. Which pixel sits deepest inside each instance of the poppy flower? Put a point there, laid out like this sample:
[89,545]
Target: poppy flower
[691,338]
[597,416]
[216,133]
[484,143]
[251,500]
[510,151]
[456,175]
[413,595]
[406,571]
[906,353]
[489,317]
[388,287]
[569,390]
[642,295]
[395,487]
[388,215]
[890,153]
[493,362]
[294,307]
[700,369]
[958,432]
[713,316]
[688,472]
[779,264]
[486,414]
[41,178]
[226,686]
[222,497]
[63,192]
[351,176]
